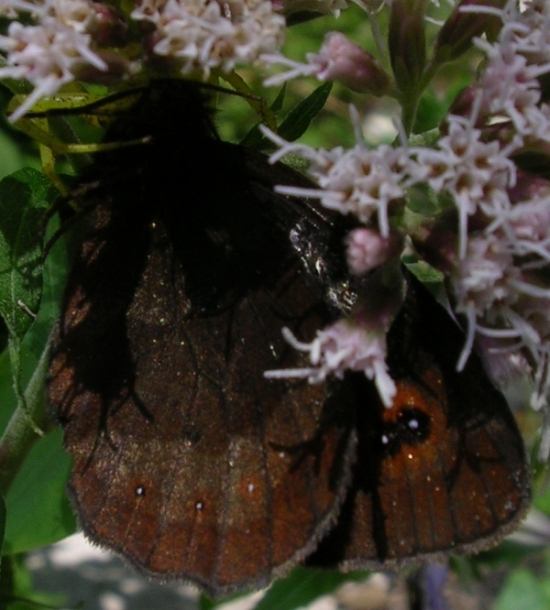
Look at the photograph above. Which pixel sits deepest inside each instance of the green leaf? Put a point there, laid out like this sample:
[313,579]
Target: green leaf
[38,511]
[24,196]
[279,100]
[523,589]
[254,138]
[428,275]
[300,117]
[205,603]
[506,555]
[429,113]
[2,521]
[542,501]
[16,588]
[12,156]
[302,587]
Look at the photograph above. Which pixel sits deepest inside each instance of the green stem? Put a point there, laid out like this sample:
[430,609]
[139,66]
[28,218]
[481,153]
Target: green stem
[20,434]
[379,40]
[409,113]
[410,101]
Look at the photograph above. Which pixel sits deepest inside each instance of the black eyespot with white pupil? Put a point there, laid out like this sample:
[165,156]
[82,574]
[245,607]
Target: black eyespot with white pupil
[411,428]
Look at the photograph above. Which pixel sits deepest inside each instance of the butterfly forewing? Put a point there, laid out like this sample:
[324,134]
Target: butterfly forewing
[187,460]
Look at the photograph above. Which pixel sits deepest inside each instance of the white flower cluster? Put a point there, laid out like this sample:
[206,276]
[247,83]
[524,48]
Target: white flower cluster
[502,283]
[75,39]
[52,52]
[492,234]
[501,279]
[475,173]
[203,35]
[358,181]
[509,87]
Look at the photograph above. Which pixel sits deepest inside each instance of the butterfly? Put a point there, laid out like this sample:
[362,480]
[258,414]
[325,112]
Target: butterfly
[187,460]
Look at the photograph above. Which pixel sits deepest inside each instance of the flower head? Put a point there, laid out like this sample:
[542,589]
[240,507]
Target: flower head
[74,39]
[48,56]
[198,35]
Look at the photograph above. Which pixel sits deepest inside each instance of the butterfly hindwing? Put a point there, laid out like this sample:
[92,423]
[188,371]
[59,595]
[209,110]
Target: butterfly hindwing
[442,470]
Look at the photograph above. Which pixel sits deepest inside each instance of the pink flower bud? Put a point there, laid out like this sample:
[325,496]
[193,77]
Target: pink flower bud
[341,60]
[367,249]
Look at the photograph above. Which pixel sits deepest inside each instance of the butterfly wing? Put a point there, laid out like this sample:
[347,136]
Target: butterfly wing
[444,469]
[187,461]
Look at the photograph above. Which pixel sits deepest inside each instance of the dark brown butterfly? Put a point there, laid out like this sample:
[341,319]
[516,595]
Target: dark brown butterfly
[189,462]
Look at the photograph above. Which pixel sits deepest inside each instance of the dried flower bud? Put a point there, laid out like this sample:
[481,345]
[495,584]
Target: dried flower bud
[463,104]
[321,7]
[528,187]
[108,28]
[455,37]
[438,244]
[507,367]
[117,68]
